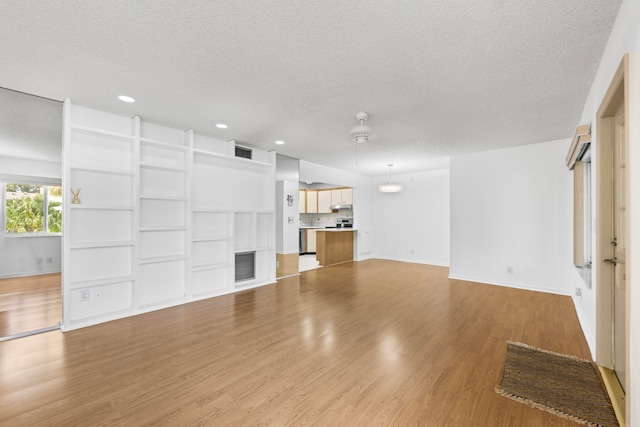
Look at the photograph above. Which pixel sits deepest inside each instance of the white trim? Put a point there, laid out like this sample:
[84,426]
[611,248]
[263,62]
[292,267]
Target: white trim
[33,180]
[30,273]
[514,285]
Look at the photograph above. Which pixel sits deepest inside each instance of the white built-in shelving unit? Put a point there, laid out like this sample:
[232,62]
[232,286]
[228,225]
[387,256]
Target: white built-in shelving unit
[163,252]
[99,233]
[162,214]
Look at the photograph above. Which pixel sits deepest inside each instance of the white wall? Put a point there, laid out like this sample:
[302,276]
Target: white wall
[20,255]
[624,38]
[287,233]
[513,208]
[413,225]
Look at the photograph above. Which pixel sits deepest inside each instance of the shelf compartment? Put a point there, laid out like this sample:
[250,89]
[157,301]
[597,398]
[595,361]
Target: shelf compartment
[100,152]
[210,280]
[103,298]
[154,133]
[162,183]
[161,243]
[244,238]
[210,252]
[155,155]
[99,188]
[156,213]
[91,227]
[208,225]
[97,263]
[161,281]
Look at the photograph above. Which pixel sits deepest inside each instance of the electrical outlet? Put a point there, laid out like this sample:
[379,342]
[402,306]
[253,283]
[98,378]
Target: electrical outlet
[85,295]
[509,270]
[411,251]
[49,260]
[39,260]
[579,292]
[277,264]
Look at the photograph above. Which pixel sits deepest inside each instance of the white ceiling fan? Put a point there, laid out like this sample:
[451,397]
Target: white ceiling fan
[361,133]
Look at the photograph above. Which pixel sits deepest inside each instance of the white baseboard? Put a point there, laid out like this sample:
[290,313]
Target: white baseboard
[28,273]
[523,286]
[588,336]
[413,260]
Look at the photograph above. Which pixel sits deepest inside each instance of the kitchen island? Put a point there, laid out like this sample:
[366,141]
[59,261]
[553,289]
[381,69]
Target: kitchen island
[334,245]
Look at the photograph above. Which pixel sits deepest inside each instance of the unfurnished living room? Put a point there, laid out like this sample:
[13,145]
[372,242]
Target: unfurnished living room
[319,213]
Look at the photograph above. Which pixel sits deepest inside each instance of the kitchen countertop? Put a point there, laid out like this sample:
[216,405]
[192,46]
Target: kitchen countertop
[332,230]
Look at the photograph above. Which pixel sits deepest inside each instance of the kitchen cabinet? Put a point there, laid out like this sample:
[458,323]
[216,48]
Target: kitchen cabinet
[312,201]
[324,201]
[342,196]
[311,240]
[302,201]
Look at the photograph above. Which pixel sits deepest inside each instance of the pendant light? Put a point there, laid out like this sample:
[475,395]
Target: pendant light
[390,188]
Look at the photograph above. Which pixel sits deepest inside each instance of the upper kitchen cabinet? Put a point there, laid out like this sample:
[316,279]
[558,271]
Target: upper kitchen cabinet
[302,201]
[312,201]
[324,201]
[342,196]
[331,197]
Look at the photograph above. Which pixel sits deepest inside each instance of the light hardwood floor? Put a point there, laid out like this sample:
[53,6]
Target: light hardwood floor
[372,343]
[30,303]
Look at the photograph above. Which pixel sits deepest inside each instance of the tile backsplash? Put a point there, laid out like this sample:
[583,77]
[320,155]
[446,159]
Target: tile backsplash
[324,219]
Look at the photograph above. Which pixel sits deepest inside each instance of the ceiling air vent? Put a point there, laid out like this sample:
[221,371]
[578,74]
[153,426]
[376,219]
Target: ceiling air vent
[243,152]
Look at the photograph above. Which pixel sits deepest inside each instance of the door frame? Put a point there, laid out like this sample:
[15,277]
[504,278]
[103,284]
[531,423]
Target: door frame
[616,95]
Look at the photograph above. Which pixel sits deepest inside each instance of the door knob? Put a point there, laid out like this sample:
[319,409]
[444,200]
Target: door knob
[613,260]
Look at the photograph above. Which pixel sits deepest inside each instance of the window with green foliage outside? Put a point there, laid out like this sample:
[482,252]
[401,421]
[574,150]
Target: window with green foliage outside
[33,208]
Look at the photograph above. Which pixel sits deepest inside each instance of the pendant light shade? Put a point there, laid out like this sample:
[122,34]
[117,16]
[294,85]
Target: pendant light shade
[390,188]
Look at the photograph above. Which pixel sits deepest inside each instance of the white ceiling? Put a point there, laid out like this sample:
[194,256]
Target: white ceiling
[437,78]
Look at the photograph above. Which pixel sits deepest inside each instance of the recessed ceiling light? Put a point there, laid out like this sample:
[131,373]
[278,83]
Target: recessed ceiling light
[280,142]
[125,98]
[221,126]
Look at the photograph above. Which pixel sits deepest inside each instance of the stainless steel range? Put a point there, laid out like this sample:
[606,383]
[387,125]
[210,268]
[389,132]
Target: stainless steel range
[344,223]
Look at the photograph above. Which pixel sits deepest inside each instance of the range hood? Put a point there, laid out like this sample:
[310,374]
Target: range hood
[340,206]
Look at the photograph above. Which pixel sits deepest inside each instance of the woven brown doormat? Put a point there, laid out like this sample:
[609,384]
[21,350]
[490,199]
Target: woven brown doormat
[560,384]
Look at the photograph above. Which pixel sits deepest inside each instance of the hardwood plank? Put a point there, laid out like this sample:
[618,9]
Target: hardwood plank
[355,344]
[30,303]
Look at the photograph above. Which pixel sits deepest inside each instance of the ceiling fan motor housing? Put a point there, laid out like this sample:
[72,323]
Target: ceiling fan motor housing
[361,132]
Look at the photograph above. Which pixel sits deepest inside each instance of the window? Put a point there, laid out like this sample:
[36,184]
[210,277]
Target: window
[32,208]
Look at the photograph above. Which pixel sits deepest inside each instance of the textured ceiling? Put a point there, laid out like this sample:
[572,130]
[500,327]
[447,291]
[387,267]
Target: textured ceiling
[437,78]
